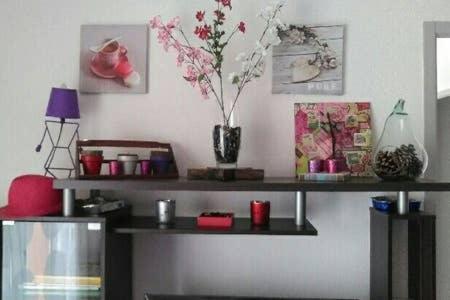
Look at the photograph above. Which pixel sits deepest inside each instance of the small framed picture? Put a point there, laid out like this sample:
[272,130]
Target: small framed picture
[114,59]
[309,60]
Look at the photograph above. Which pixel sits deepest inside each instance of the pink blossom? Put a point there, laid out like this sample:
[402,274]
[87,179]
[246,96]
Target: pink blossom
[220,16]
[203,32]
[204,89]
[180,59]
[175,22]
[206,69]
[241,27]
[177,45]
[225,3]
[200,16]
[164,39]
[207,59]
[156,22]
[191,75]
[193,53]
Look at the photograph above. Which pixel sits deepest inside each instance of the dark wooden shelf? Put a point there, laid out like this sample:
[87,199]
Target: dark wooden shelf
[188,225]
[266,185]
[394,216]
[169,297]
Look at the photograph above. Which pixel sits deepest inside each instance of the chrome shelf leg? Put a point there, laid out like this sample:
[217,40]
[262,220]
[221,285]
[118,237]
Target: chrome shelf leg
[68,202]
[300,208]
[403,203]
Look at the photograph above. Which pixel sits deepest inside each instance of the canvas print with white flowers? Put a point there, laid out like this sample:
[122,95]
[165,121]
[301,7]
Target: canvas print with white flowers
[309,60]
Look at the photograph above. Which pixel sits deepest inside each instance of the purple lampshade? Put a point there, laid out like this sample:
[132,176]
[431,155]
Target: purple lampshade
[63,104]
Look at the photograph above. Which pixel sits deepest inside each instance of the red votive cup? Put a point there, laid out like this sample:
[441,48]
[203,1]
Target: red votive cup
[114,168]
[92,162]
[260,212]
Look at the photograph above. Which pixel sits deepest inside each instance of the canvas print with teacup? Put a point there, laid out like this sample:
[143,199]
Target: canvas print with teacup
[114,59]
[309,60]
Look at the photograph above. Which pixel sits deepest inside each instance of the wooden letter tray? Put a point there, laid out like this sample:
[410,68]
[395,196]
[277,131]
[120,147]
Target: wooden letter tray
[98,144]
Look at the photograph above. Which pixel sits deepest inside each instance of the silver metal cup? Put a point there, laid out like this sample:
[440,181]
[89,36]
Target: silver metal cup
[165,211]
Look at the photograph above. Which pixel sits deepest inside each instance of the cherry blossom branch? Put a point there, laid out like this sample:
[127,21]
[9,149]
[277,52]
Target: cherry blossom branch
[205,61]
[249,73]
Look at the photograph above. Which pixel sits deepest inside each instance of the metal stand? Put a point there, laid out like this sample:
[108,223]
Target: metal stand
[300,208]
[68,202]
[403,203]
[48,166]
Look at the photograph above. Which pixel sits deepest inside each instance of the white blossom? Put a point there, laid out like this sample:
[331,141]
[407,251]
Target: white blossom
[241,56]
[233,78]
[277,23]
[260,68]
[272,31]
[253,63]
[276,41]
[267,13]
[280,4]
[245,66]
[296,36]
[260,49]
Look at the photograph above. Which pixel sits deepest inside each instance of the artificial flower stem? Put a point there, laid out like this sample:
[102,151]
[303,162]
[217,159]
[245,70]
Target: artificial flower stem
[206,77]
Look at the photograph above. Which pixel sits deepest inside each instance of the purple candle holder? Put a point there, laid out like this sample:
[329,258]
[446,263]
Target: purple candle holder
[114,168]
[160,162]
[145,167]
[315,166]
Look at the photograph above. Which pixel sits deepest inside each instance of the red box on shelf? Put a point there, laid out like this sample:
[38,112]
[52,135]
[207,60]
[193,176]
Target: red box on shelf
[217,220]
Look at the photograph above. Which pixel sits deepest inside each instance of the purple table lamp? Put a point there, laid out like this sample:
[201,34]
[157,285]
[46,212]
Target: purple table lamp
[63,104]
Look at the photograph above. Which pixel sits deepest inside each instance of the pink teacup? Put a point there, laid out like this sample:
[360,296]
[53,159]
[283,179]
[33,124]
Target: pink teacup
[110,55]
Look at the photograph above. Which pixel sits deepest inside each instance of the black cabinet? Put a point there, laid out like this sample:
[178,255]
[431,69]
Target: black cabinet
[421,254]
[64,258]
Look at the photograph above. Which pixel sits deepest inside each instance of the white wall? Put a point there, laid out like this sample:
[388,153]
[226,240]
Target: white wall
[39,46]
[443,67]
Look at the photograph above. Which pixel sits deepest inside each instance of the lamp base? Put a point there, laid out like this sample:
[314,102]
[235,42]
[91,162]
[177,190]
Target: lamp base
[49,167]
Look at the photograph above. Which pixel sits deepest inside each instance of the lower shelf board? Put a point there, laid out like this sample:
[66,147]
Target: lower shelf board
[188,225]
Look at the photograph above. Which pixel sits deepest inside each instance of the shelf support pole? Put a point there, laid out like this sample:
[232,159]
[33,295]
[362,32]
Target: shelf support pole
[403,203]
[68,202]
[300,208]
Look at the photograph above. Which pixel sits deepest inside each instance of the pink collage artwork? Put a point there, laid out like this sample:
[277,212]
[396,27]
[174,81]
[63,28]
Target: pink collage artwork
[349,123]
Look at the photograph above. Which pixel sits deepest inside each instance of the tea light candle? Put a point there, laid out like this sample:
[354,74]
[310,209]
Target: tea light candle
[165,211]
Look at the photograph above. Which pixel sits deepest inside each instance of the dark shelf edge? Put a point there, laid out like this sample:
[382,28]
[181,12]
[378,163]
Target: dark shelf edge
[410,216]
[187,225]
[266,185]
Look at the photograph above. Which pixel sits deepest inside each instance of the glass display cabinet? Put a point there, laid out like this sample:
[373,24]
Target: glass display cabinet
[53,258]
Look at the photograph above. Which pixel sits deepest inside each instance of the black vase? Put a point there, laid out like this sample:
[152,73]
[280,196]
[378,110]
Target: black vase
[227,141]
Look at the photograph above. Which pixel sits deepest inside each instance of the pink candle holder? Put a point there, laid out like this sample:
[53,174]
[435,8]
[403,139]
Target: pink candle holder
[334,166]
[145,167]
[114,168]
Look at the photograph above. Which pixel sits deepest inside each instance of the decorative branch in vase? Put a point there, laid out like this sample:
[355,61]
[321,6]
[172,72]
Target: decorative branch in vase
[203,64]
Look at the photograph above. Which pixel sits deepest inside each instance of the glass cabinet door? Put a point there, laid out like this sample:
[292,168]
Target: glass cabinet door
[54,261]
